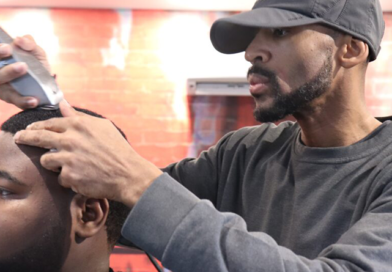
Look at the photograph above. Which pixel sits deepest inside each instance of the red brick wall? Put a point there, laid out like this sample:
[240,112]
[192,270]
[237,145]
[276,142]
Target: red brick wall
[379,77]
[119,64]
[141,97]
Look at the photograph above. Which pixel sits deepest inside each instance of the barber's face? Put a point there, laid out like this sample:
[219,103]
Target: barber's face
[34,211]
[290,69]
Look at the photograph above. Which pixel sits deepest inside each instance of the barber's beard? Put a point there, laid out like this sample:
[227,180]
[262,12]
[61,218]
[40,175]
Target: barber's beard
[298,99]
[46,254]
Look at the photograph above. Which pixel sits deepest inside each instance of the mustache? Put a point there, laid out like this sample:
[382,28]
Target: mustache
[258,70]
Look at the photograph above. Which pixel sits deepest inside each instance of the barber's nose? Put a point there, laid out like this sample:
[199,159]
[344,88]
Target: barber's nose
[258,49]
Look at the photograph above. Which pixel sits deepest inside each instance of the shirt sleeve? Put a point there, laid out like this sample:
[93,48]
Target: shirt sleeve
[189,234]
[201,175]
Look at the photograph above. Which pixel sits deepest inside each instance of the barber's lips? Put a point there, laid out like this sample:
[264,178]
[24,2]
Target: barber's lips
[258,84]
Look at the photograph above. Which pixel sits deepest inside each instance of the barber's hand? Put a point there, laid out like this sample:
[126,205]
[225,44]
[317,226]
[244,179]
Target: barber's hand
[95,160]
[15,70]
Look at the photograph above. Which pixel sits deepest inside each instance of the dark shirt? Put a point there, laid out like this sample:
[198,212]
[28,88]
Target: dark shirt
[331,206]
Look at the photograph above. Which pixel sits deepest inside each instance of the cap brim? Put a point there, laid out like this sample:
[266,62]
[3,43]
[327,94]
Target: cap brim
[233,34]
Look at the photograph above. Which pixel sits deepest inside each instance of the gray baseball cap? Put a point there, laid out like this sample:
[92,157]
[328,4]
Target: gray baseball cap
[363,19]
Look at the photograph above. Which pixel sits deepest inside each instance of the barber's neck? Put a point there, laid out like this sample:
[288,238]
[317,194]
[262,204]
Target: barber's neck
[339,118]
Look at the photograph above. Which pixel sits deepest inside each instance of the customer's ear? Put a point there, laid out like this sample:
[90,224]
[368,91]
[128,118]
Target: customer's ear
[352,52]
[89,215]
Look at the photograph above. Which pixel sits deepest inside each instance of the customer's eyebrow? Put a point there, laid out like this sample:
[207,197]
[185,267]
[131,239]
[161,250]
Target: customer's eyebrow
[9,177]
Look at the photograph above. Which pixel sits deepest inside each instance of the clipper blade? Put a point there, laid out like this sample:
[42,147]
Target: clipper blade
[48,107]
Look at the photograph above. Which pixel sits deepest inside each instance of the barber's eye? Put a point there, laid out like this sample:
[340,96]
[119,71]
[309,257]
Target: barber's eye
[279,32]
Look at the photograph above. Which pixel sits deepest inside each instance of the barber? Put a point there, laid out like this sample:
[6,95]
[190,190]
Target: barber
[316,195]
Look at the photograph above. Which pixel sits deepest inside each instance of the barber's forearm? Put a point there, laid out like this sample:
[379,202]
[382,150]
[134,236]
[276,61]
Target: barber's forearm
[189,234]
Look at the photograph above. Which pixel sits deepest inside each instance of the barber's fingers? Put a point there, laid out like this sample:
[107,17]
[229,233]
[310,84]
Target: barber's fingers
[39,138]
[9,73]
[28,43]
[72,118]
[58,162]
[54,160]
[63,182]
[9,95]
[5,50]
[58,125]
[68,179]
[12,71]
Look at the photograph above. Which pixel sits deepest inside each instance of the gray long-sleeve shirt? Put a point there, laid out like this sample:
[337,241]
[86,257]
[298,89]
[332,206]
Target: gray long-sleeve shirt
[282,206]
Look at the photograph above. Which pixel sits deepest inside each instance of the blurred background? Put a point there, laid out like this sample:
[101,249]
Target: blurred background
[131,61]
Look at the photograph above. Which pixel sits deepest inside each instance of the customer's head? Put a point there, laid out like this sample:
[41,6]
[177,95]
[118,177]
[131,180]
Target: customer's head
[45,227]
[301,50]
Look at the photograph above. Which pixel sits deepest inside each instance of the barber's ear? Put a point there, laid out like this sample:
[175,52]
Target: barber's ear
[352,52]
[89,215]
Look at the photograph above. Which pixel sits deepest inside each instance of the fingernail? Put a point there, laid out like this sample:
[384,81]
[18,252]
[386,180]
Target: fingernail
[16,136]
[18,39]
[19,67]
[29,126]
[32,103]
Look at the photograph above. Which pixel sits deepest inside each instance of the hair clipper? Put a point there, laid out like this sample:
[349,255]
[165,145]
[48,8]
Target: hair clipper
[37,82]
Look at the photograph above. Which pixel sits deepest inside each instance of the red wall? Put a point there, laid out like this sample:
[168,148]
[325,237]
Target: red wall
[144,95]
[141,98]
[379,76]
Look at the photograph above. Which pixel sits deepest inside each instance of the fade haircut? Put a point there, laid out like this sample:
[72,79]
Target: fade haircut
[118,212]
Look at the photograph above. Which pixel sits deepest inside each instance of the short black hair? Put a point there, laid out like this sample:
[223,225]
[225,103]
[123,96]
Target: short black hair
[118,212]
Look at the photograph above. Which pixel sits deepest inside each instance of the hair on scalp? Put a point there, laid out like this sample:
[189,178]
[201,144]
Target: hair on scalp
[118,212]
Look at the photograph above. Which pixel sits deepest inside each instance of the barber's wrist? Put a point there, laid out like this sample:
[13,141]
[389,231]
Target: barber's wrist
[141,180]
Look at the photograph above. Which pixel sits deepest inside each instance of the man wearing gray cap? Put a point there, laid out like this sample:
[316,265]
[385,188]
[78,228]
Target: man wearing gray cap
[312,195]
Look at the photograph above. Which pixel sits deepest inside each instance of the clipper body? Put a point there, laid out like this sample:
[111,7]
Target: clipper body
[37,82]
